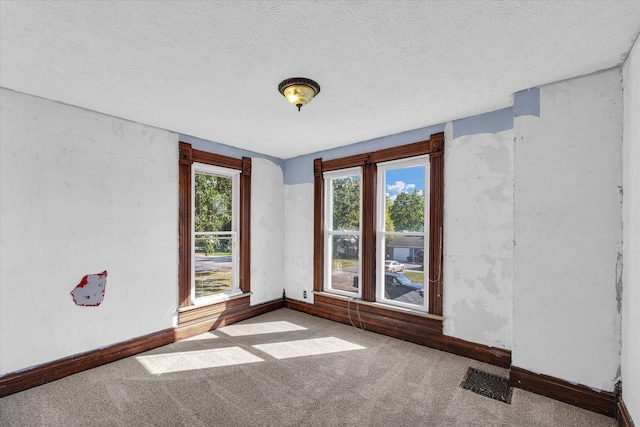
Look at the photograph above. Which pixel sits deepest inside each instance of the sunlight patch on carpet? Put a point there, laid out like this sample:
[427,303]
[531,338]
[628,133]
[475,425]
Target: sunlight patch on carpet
[310,347]
[157,364]
[260,328]
[206,336]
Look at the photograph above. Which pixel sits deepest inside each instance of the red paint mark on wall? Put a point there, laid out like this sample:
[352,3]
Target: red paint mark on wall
[90,291]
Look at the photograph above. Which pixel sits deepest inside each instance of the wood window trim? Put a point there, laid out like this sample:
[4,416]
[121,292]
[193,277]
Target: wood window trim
[187,156]
[434,147]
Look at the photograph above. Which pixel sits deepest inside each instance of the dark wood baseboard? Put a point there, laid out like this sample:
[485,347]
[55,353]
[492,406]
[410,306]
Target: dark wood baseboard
[624,417]
[220,319]
[602,402]
[51,371]
[420,329]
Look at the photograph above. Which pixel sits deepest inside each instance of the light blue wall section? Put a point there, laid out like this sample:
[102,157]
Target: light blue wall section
[299,170]
[492,122]
[527,103]
[227,150]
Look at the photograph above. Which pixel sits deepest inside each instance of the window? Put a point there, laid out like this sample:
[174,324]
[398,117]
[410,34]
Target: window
[342,234]
[378,222]
[401,232]
[215,233]
[214,230]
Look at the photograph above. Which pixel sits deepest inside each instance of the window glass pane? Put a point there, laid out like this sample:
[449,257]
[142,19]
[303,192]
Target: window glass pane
[404,269]
[404,199]
[345,262]
[215,258]
[401,232]
[406,287]
[213,264]
[346,203]
[213,202]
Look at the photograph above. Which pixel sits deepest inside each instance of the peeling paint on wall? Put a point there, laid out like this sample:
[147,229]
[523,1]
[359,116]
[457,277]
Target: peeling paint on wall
[90,290]
[298,258]
[619,267]
[568,229]
[267,235]
[478,265]
[480,321]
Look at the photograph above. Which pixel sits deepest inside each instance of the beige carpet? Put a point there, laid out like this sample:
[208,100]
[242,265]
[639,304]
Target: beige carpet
[284,368]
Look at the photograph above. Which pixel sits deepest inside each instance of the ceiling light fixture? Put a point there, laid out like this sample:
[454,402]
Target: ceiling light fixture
[299,90]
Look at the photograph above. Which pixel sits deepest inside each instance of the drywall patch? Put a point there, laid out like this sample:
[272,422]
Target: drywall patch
[476,321]
[90,290]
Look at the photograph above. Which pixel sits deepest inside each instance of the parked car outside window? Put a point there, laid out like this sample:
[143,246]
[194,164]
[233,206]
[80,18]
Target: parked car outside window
[393,266]
[397,285]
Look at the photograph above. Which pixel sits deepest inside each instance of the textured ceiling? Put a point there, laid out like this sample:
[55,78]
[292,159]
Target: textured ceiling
[211,69]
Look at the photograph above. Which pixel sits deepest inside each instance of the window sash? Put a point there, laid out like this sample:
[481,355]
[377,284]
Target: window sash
[341,277]
[395,296]
[232,235]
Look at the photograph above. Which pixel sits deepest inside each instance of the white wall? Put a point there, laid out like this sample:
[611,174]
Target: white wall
[631,236]
[267,237]
[567,229]
[80,193]
[478,250]
[298,259]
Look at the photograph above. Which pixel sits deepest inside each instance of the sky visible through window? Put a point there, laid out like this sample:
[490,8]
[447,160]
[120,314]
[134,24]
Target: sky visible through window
[405,180]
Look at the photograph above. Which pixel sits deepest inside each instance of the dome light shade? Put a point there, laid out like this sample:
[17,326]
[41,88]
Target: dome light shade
[299,90]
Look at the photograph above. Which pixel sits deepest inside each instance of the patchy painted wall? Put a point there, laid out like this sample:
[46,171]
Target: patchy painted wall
[80,193]
[267,236]
[478,219]
[631,235]
[298,258]
[567,229]
[478,229]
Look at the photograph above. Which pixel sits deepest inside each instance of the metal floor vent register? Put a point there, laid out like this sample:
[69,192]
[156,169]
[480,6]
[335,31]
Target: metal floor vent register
[488,385]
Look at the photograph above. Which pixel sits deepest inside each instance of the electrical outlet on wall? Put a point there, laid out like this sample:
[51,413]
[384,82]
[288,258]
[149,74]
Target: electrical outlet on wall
[304,294]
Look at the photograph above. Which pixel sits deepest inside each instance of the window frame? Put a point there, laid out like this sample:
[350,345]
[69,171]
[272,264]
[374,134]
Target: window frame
[330,232]
[382,233]
[187,157]
[234,175]
[434,147]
